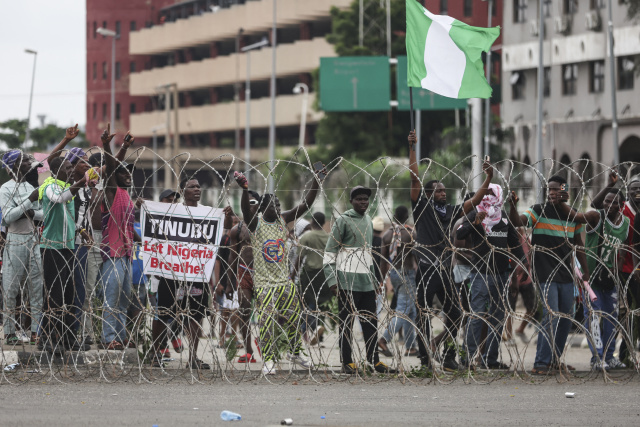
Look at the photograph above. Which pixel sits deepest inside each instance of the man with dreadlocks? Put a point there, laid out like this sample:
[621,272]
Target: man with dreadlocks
[276,296]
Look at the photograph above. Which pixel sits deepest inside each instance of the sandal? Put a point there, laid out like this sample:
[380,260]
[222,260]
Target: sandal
[382,347]
[541,370]
[412,352]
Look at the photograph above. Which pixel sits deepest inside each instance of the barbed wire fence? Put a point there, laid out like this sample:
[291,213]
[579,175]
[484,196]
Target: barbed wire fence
[25,359]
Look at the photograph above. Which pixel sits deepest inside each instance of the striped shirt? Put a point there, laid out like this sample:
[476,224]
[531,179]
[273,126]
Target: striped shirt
[552,241]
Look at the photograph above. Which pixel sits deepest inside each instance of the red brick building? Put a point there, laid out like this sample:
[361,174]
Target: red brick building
[121,16]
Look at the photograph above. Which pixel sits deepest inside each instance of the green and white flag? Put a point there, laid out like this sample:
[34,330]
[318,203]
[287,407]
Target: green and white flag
[444,54]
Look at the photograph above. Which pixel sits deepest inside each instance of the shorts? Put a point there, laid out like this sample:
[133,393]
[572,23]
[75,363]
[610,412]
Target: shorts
[175,297]
[245,277]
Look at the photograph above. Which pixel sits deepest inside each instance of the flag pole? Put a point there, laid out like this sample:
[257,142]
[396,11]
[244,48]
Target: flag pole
[413,127]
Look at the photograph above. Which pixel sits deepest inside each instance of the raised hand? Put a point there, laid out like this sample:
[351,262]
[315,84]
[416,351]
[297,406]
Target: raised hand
[128,140]
[228,211]
[107,136]
[513,198]
[479,218]
[321,174]
[242,180]
[613,177]
[413,139]
[71,132]
[487,168]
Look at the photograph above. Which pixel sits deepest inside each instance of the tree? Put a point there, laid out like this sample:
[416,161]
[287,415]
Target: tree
[14,132]
[370,135]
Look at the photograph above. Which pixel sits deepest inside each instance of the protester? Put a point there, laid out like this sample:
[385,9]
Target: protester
[434,218]
[58,245]
[555,235]
[350,273]
[276,296]
[400,265]
[493,240]
[313,287]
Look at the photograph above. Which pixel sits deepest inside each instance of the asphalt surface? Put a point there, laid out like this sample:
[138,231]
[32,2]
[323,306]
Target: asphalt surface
[386,403]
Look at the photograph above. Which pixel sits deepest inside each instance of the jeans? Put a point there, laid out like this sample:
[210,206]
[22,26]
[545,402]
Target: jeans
[93,288]
[556,298]
[116,276]
[487,304]
[605,309]
[404,284]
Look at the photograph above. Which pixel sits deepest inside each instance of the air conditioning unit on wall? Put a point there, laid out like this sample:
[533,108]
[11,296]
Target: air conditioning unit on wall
[592,20]
[563,24]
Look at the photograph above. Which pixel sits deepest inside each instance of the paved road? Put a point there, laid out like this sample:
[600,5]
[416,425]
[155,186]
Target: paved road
[507,401]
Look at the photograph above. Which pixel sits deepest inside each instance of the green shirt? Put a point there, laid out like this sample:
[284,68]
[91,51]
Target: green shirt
[613,237]
[348,260]
[312,244]
[59,230]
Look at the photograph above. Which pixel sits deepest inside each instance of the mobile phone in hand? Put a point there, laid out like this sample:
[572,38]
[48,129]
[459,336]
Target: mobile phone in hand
[128,137]
[318,166]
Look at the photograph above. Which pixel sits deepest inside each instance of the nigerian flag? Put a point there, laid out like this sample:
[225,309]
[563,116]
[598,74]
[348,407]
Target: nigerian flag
[444,54]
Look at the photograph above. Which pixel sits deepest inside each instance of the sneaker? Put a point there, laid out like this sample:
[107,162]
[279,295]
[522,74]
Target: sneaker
[12,339]
[350,369]
[114,345]
[269,368]
[88,339]
[247,358]
[177,345]
[300,359]
[497,366]
[450,365]
[199,365]
[615,363]
[383,368]
[600,365]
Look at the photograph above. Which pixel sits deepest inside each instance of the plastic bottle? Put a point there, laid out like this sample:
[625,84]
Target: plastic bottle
[286,422]
[230,416]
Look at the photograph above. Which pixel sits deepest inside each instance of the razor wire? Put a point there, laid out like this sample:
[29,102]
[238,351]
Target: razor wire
[225,316]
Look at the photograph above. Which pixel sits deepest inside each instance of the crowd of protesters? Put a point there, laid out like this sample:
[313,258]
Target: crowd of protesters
[71,256]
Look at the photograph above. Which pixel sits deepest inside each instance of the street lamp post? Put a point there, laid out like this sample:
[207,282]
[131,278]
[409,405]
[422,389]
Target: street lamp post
[247,101]
[33,79]
[304,89]
[154,178]
[237,90]
[114,35]
[272,125]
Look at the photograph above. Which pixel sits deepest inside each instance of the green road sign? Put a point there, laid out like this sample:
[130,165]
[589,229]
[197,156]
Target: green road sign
[355,83]
[422,99]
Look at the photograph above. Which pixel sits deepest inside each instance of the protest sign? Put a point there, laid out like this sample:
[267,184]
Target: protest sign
[180,242]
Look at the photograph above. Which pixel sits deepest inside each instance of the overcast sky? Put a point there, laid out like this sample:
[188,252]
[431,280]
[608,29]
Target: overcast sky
[56,30]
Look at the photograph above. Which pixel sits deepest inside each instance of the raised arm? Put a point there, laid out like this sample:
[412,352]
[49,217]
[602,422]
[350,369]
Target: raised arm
[69,135]
[126,143]
[110,165]
[385,264]
[515,218]
[596,203]
[470,204]
[310,197]
[416,185]
[592,217]
[64,196]
[581,255]
[250,218]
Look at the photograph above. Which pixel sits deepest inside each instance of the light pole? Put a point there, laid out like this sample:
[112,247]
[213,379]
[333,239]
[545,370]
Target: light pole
[237,90]
[487,102]
[33,79]
[155,130]
[539,115]
[272,126]
[110,33]
[247,101]
[304,89]
[612,74]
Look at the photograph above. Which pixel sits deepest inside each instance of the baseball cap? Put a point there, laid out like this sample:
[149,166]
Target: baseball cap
[357,190]
[378,224]
[169,193]
[129,166]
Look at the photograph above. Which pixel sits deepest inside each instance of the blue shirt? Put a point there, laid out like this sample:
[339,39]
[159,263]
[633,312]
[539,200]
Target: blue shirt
[137,266]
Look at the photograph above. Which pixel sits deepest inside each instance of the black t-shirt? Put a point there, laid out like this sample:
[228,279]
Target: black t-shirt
[491,251]
[376,248]
[224,251]
[552,240]
[434,231]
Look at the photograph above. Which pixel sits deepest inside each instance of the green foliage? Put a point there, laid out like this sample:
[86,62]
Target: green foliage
[13,133]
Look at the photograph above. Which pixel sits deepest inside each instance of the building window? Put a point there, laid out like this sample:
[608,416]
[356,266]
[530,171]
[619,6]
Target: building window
[104,71]
[444,7]
[132,66]
[518,85]
[118,70]
[597,4]
[570,7]
[519,10]
[596,76]
[95,29]
[468,7]
[546,80]
[494,8]
[104,25]
[132,26]
[546,8]
[132,108]
[626,72]
[104,111]
[118,29]
[569,79]
[95,71]
[117,111]
[95,111]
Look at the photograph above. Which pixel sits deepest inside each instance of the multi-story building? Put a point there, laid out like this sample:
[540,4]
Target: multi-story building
[577,83]
[199,55]
[123,17]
